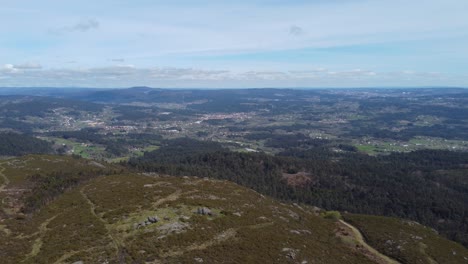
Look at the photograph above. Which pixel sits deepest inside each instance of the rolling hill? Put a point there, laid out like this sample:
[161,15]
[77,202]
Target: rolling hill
[100,213]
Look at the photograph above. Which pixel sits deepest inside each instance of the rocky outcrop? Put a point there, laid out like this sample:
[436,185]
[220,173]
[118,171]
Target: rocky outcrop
[150,220]
[204,211]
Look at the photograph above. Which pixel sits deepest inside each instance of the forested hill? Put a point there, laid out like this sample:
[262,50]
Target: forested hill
[426,186]
[12,144]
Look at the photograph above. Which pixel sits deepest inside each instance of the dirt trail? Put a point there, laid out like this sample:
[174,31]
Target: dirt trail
[6,181]
[116,243]
[66,256]
[171,197]
[36,247]
[360,240]
[217,239]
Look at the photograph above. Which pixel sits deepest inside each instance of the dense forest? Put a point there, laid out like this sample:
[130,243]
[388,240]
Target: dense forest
[426,186]
[12,144]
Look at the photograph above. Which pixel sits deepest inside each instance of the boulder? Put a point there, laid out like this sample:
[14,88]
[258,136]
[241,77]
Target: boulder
[204,211]
[153,219]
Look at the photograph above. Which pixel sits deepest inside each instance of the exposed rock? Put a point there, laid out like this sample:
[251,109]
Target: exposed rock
[303,231]
[298,206]
[291,253]
[78,262]
[150,220]
[184,218]
[316,210]
[153,219]
[204,211]
[292,214]
[199,260]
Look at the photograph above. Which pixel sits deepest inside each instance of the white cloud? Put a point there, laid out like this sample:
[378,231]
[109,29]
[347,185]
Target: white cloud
[296,31]
[28,66]
[8,68]
[129,75]
[16,68]
[355,73]
[81,26]
[193,35]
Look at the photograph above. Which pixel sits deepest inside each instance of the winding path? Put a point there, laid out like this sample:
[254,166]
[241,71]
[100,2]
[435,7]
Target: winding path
[171,197]
[360,239]
[38,242]
[117,245]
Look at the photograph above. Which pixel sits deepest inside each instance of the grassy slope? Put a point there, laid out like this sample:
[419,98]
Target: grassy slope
[22,236]
[407,241]
[94,222]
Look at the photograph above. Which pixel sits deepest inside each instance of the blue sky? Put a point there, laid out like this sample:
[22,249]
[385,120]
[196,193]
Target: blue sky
[256,43]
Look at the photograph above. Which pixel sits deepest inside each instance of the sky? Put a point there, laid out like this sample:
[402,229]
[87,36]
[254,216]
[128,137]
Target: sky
[233,44]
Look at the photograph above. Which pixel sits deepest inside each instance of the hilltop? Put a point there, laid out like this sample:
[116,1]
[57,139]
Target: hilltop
[100,213]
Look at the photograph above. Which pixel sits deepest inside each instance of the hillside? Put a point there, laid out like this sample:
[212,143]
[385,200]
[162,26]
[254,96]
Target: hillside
[427,186]
[124,217]
[407,241]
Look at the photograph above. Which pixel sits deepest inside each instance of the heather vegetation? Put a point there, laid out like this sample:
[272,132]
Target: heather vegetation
[425,186]
[407,241]
[95,221]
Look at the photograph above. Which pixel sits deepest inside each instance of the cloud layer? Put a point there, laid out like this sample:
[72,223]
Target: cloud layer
[82,26]
[128,75]
[255,41]
[15,68]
